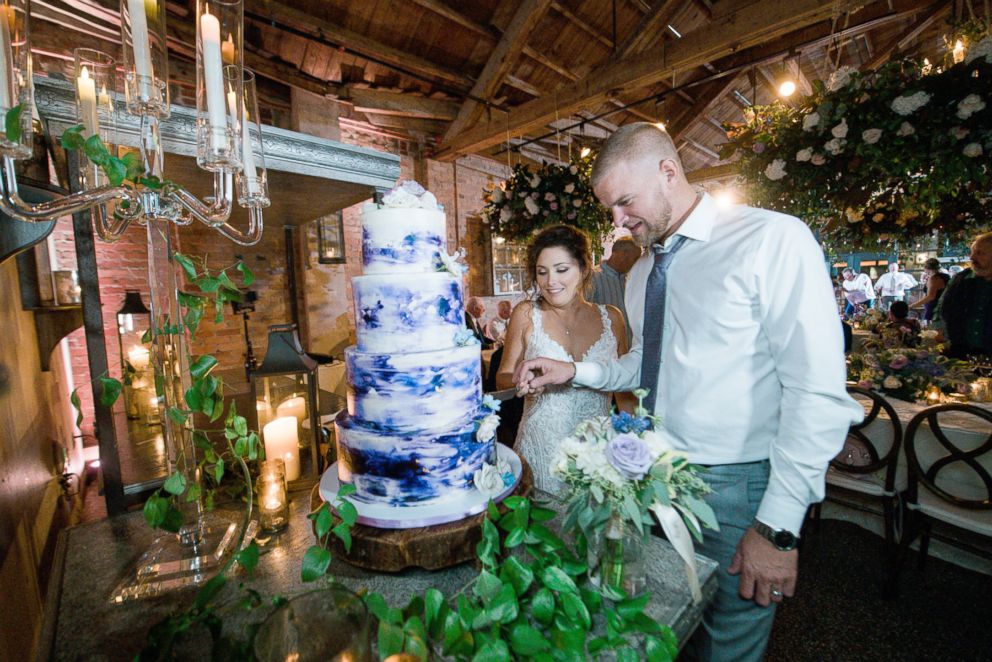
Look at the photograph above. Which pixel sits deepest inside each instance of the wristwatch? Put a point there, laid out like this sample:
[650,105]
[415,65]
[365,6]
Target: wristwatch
[784,541]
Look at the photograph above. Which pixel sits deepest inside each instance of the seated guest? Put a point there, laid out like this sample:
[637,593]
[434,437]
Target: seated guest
[965,309]
[474,310]
[936,281]
[496,329]
[899,319]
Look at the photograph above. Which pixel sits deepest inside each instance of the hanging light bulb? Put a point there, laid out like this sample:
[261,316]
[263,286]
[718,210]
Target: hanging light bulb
[660,125]
[958,52]
[585,152]
[787,88]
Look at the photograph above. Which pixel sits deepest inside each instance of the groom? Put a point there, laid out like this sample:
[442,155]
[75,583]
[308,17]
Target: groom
[736,334]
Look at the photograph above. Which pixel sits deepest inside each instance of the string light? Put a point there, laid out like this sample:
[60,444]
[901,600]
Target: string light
[787,88]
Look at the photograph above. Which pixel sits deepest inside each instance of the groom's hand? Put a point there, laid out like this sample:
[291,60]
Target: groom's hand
[532,376]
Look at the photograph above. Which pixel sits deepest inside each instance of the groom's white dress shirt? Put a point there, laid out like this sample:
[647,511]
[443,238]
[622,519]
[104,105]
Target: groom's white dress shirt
[752,355]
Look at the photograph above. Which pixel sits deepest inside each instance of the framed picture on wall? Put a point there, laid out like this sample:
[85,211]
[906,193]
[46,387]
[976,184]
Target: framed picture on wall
[330,239]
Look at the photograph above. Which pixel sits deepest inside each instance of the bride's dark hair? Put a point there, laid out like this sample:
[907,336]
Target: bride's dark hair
[573,240]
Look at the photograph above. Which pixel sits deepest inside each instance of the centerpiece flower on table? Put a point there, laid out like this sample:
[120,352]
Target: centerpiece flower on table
[621,470]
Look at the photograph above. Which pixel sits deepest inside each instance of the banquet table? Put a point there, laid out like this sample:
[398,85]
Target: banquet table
[81,622]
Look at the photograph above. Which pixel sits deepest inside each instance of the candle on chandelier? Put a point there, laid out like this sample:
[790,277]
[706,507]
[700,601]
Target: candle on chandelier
[141,47]
[227,50]
[250,174]
[86,89]
[6,56]
[213,74]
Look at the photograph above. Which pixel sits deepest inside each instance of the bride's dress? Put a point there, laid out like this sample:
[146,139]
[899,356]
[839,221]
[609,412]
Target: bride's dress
[551,416]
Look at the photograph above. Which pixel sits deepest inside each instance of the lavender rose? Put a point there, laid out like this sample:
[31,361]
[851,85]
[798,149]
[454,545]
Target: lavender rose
[898,362]
[629,456]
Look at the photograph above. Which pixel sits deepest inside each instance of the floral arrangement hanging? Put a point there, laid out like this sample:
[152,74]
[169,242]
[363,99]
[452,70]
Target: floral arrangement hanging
[897,153]
[531,199]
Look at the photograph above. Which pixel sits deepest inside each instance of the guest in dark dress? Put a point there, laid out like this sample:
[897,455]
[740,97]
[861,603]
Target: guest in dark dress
[936,282]
[899,319]
[965,309]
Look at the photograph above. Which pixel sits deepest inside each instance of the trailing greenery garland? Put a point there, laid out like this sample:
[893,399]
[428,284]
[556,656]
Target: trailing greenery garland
[895,153]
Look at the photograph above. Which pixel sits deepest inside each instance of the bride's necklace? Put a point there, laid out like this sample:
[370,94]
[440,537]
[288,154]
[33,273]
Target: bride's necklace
[561,320]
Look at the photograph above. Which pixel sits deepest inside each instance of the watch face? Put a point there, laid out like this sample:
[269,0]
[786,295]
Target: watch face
[785,540]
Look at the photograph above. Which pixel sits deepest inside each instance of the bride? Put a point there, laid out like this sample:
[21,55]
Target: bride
[560,324]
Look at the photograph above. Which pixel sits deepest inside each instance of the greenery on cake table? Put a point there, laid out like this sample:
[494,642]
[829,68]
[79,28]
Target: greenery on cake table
[869,156]
[533,198]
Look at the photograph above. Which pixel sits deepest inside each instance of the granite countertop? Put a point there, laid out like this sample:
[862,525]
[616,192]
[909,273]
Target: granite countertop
[81,622]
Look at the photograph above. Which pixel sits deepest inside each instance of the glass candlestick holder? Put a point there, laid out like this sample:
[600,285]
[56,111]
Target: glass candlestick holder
[94,77]
[16,85]
[273,502]
[251,181]
[218,78]
[146,63]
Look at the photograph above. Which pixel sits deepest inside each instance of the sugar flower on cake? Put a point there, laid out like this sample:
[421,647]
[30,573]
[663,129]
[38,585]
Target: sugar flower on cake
[491,403]
[488,480]
[451,263]
[487,428]
[408,194]
[465,337]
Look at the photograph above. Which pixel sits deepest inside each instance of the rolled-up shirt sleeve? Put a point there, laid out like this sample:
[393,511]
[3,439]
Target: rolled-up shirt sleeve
[800,319]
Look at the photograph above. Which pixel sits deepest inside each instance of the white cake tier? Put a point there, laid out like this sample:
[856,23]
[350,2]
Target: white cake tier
[407,313]
[401,240]
[404,468]
[436,390]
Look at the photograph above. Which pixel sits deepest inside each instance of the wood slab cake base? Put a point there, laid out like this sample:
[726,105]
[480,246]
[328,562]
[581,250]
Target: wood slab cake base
[428,547]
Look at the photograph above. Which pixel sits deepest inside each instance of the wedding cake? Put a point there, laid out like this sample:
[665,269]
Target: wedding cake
[417,431]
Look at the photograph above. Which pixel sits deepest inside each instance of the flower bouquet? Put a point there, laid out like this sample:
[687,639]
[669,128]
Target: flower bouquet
[621,471]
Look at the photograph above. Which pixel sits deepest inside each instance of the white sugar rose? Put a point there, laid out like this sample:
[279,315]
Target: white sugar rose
[909,104]
[804,154]
[488,480]
[871,136]
[811,121]
[972,150]
[840,131]
[487,429]
[775,170]
[905,129]
[970,105]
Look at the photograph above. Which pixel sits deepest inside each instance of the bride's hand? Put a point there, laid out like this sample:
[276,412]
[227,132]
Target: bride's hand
[532,376]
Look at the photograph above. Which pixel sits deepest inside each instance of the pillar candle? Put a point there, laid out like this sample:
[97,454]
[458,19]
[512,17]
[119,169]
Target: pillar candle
[141,47]
[282,442]
[86,89]
[247,155]
[6,56]
[213,75]
[295,406]
[227,50]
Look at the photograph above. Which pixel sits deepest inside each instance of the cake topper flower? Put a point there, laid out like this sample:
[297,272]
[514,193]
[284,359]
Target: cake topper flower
[408,194]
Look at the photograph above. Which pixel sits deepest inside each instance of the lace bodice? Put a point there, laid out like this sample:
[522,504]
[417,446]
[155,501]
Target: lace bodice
[551,416]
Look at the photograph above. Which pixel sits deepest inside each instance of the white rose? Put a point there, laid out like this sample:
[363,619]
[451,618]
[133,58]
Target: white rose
[488,480]
[804,154]
[871,136]
[905,129]
[959,132]
[835,145]
[891,382]
[811,121]
[840,131]
[573,170]
[658,442]
[577,203]
[970,105]
[981,49]
[531,206]
[907,105]
[972,150]
[487,429]
[839,79]
[505,214]
[775,170]
[535,181]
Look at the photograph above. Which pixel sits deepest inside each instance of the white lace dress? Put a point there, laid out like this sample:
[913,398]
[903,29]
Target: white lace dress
[551,416]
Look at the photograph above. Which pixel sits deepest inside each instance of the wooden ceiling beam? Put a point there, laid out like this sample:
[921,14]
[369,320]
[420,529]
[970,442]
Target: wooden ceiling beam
[645,33]
[401,105]
[581,23]
[500,61]
[702,148]
[744,26]
[461,19]
[911,34]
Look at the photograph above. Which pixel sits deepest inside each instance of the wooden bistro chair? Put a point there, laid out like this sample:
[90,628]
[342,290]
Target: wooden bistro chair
[867,465]
[949,475]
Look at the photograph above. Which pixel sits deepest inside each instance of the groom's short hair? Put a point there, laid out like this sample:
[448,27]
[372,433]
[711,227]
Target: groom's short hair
[633,142]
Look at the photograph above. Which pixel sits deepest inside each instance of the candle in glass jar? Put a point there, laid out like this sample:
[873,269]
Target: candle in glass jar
[247,156]
[264,412]
[213,79]
[273,503]
[295,406]
[86,89]
[282,442]
[227,50]
[141,47]
[6,55]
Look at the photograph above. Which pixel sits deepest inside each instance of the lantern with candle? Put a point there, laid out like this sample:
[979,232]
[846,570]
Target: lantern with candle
[284,388]
[218,129]
[133,320]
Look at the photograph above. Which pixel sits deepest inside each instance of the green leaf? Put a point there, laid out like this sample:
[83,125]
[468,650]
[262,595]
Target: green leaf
[132,165]
[556,579]
[72,138]
[177,415]
[515,538]
[247,277]
[194,400]
[322,525]
[346,490]
[248,557]
[208,283]
[193,493]
[514,502]
[539,514]
[487,586]
[542,605]
[527,640]
[627,654]
[209,591]
[186,264]
[192,319]
[656,650]
[77,405]
[433,601]
[152,182]
[347,512]
[96,151]
[146,337]
[219,469]
[173,520]
[110,390]
[630,608]
[390,639]
[202,366]
[493,651]
[12,123]
[227,283]
[376,605]
[155,509]
[416,638]
[576,609]
[175,484]
[702,510]
[519,575]
[316,560]
[116,171]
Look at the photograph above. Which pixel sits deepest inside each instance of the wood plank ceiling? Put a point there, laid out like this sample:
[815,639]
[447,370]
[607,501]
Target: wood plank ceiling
[544,77]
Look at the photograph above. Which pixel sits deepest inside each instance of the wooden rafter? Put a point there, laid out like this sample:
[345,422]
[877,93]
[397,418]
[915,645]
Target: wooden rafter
[910,35]
[582,24]
[381,102]
[646,31]
[500,60]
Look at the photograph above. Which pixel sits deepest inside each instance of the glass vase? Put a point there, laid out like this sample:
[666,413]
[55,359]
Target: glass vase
[616,557]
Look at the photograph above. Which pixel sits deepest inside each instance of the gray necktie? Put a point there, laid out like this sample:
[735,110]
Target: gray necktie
[654,319]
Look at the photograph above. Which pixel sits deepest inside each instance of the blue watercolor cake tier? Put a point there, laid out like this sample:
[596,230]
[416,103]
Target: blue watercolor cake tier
[401,240]
[437,390]
[409,312]
[407,468]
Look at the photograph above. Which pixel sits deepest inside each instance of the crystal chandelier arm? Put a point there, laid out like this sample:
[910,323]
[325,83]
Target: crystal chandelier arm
[110,226]
[249,238]
[216,213]
[12,204]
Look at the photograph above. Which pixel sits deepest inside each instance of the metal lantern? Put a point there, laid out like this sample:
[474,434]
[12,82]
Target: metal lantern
[133,321]
[284,389]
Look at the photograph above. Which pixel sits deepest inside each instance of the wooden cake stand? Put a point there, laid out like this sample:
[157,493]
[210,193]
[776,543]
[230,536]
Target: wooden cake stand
[428,547]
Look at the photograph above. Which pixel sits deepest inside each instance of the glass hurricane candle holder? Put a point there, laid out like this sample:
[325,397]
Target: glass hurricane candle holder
[146,63]
[252,181]
[273,503]
[219,77]
[16,85]
[94,78]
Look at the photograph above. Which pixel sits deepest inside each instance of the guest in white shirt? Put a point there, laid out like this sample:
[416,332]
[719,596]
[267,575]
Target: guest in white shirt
[751,379]
[858,291]
[892,285]
[496,328]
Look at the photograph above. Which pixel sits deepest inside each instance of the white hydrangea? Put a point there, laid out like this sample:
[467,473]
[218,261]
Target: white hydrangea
[970,105]
[871,136]
[907,105]
[835,145]
[840,131]
[905,129]
[891,382]
[775,170]
[811,121]
[840,78]
[804,154]
[972,150]
[981,49]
